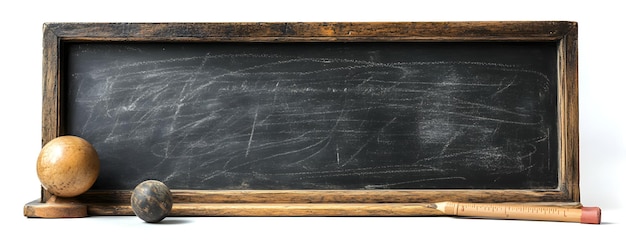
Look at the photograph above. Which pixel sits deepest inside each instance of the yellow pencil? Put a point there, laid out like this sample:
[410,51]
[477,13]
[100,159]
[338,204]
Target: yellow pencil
[587,215]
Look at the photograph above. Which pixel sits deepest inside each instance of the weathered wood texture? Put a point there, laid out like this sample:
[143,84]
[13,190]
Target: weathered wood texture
[353,202]
[437,31]
[337,196]
[568,118]
[56,208]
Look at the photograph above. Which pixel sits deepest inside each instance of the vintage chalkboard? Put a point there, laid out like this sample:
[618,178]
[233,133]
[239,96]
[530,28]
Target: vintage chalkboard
[317,115]
[295,113]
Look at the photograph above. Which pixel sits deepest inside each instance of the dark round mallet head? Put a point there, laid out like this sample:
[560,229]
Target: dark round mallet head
[151,201]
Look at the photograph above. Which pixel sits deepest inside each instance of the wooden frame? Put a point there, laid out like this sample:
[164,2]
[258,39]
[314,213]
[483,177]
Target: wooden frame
[322,202]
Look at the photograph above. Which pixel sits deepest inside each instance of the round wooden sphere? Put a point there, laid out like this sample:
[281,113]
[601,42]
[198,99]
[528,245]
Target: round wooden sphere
[68,166]
[151,201]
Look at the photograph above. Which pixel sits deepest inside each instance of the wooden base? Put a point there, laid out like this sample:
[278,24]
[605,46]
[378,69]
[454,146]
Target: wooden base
[65,208]
[280,209]
[55,207]
[286,203]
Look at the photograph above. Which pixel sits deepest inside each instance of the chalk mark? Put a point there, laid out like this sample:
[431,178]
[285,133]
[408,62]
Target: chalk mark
[256,114]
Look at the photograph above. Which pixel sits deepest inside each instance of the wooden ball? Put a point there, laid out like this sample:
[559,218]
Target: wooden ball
[68,166]
[151,201]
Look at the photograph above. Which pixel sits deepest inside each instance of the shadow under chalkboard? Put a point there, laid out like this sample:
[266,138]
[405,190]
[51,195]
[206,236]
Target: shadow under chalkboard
[322,115]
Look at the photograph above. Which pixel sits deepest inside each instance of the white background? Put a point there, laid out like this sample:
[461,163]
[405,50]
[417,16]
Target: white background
[602,137]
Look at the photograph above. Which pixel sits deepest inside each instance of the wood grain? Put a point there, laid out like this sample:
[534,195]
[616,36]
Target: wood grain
[422,31]
[338,196]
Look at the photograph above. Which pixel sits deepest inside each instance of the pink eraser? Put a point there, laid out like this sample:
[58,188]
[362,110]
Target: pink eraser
[590,215]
